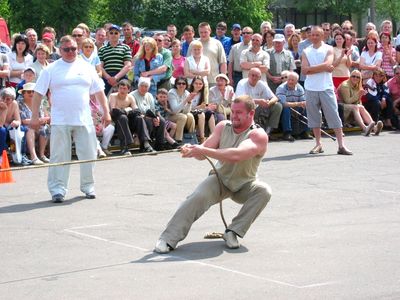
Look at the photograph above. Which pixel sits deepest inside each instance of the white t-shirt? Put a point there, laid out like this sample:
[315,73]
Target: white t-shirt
[371,60]
[71,85]
[15,65]
[260,91]
[201,66]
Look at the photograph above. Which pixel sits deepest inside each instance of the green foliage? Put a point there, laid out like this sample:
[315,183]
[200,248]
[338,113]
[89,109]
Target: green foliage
[160,13]
[390,9]
[4,9]
[339,7]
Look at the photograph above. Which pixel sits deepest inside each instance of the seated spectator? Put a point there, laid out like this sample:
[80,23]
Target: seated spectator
[128,119]
[29,75]
[220,98]
[341,60]
[19,59]
[197,64]
[4,70]
[268,110]
[178,60]
[162,107]
[388,54]
[291,96]
[10,124]
[349,93]
[25,108]
[394,90]
[106,133]
[149,63]
[379,103]
[179,100]
[147,106]
[199,109]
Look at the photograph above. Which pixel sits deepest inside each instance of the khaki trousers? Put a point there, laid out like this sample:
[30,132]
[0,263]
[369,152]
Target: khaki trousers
[254,196]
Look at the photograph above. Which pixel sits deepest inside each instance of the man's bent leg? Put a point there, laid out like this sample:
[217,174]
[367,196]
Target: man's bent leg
[254,196]
[60,151]
[205,195]
[86,145]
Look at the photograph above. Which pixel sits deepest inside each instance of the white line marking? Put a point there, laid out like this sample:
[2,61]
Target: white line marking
[185,260]
[87,226]
[392,192]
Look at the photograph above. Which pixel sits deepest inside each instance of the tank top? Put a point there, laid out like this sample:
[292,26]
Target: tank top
[320,81]
[235,175]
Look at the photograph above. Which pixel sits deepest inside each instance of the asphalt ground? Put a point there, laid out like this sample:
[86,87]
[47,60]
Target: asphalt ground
[330,231]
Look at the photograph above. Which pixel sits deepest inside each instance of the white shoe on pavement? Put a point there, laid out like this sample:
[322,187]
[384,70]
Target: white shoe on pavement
[231,240]
[162,247]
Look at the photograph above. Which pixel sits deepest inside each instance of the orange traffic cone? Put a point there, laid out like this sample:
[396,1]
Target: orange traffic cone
[5,172]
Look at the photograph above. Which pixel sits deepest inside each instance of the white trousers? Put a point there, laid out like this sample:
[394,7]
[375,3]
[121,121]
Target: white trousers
[60,151]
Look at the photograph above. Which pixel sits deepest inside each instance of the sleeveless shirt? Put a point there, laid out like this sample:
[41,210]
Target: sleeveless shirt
[235,175]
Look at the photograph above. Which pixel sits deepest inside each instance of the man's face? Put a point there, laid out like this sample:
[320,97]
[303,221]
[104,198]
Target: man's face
[69,51]
[32,37]
[160,41]
[316,36]
[387,28]
[254,77]
[29,76]
[204,33]
[101,36]
[247,34]
[171,30]
[291,82]
[143,89]
[48,42]
[236,33]
[189,35]
[240,116]
[77,34]
[256,42]
[220,31]
[368,28]
[327,31]
[123,89]
[278,46]
[113,35]
[162,98]
[127,31]
[288,32]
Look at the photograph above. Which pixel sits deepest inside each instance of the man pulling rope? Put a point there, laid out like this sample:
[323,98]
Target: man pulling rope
[239,147]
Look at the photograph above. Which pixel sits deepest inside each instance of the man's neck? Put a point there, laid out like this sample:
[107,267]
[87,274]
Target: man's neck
[317,45]
[128,39]
[113,44]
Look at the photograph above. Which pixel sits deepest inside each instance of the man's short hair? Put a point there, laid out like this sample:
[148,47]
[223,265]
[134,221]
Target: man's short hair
[293,74]
[247,100]
[124,82]
[162,91]
[222,25]
[8,92]
[67,39]
[204,24]
[127,24]
[188,28]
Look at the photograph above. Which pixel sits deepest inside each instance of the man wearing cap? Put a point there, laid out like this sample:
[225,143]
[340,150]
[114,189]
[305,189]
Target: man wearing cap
[71,83]
[48,40]
[280,60]
[255,57]
[236,34]
[213,49]
[220,36]
[234,68]
[268,110]
[115,58]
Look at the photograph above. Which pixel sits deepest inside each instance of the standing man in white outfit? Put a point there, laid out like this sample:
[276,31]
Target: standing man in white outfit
[71,82]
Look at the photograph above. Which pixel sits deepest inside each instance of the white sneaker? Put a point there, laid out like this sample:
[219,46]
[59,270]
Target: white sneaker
[101,154]
[231,240]
[378,127]
[162,247]
[37,162]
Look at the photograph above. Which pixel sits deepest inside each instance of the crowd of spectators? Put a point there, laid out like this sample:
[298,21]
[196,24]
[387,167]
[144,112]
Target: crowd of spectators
[169,87]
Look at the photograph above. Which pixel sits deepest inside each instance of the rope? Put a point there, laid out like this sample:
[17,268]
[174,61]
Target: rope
[78,162]
[217,235]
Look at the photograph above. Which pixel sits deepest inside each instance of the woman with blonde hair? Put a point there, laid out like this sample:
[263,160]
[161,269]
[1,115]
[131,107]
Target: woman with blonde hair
[197,64]
[42,53]
[350,92]
[147,64]
[89,56]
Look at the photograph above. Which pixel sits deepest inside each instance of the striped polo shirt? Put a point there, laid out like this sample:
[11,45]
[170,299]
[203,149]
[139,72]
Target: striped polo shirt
[113,58]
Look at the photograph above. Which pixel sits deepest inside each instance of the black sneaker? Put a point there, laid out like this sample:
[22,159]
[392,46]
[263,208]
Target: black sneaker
[288,137]
[90,196]
[57,198]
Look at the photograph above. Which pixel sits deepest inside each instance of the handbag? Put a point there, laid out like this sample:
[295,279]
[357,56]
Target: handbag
[190,138]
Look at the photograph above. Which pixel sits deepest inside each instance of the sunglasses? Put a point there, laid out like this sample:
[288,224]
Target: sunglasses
[46,41]
[29,92]
[68,49]
[354,76]
[245,32]
[284,77]
[396,73]
[159,40]
[113,32]
[181,83]
[77,35]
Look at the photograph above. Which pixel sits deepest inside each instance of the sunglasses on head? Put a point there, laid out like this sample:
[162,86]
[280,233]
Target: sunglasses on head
[68,49]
